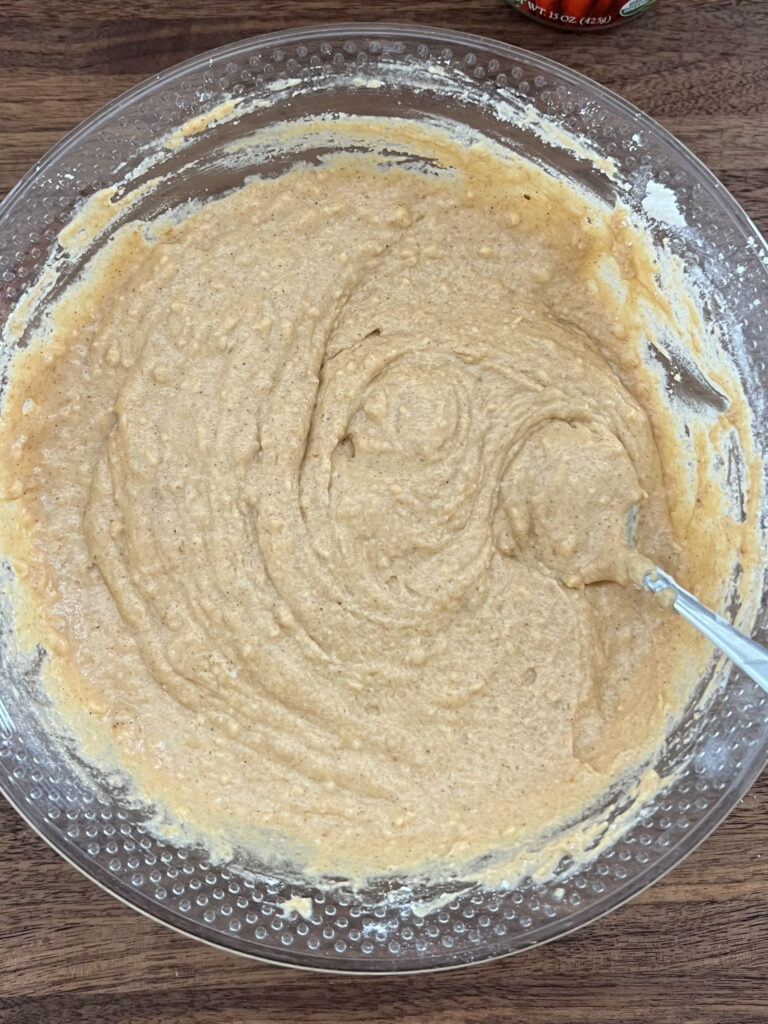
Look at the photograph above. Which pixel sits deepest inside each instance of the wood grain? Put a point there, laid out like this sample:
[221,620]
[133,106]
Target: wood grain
[693,949]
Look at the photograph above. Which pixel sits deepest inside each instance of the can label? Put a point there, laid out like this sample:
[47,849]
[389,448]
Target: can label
[584,14]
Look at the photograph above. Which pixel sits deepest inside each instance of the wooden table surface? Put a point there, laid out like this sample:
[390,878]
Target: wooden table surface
[694,949]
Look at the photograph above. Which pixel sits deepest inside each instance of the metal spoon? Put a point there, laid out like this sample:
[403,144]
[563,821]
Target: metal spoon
[541,470]
[749,656]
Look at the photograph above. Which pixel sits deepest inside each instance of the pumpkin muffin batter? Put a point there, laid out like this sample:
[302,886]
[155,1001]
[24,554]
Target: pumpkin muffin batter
[318,498]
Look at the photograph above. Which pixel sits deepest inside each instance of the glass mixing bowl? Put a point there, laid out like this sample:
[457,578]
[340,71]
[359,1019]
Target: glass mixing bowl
[721,744]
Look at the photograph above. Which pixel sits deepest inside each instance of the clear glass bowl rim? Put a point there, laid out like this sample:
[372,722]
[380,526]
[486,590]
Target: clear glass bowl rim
[708,181]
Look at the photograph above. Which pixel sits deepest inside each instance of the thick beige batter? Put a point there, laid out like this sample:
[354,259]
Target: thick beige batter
[315,497]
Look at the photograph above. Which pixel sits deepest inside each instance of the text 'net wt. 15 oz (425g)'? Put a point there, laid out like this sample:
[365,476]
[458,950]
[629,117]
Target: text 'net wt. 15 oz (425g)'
[582,14]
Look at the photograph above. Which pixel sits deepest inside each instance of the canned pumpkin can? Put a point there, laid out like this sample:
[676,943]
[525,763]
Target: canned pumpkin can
[581,14]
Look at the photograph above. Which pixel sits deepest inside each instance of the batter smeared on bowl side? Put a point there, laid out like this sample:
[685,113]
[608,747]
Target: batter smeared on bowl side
[284,488]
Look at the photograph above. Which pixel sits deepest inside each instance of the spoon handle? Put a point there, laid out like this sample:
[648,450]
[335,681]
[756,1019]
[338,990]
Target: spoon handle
[749,656]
